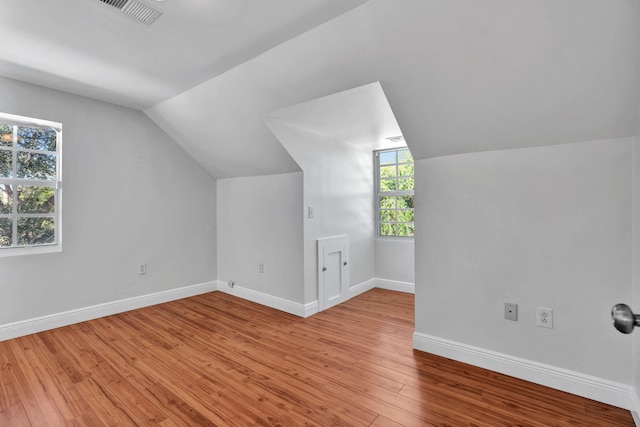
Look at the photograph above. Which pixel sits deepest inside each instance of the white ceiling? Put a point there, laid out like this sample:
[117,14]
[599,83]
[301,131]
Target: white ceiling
[460,76]
[89,48]
[361,116]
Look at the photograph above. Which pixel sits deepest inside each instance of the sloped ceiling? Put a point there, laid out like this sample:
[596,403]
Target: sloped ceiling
[460,76]
[92,49]
[360,116]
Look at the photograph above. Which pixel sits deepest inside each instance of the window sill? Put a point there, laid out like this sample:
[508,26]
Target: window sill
[30,250]
[395,239]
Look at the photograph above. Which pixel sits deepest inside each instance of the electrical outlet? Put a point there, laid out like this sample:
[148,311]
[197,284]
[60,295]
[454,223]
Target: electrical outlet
[261,268]
[231,283]
[142,268]
[511,311]
[544,317]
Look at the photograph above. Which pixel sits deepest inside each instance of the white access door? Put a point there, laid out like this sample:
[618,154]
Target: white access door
[333,271]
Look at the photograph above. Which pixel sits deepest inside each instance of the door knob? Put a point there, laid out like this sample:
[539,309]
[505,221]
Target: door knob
[623,318]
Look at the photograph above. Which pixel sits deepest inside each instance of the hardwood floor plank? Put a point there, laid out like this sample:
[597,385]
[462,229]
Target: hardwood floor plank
[381,421]
[218,360]
[14,416]
[31,384]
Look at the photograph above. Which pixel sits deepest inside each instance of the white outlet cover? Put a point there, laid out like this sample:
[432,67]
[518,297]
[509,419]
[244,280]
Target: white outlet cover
[544,317]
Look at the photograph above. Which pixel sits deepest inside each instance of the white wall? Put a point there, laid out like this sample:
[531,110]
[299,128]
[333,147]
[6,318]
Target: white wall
[635,305]
[131,195]
[548,226]
[260,221]
[338,184]
[395,260]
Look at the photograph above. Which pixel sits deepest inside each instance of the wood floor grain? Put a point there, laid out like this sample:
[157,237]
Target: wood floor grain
[216,360]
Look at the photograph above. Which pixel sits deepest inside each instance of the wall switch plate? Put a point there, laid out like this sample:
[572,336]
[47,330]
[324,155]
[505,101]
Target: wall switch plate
[261,268]
[544,317]
[511,311]
[310,212]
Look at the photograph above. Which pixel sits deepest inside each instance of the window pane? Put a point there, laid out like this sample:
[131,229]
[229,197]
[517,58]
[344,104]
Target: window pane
[387,158]
[405,184]
[37,138]
[36,200]
[6,164]
[406,230]
[395,196]
[404,156]
[405,216]
[36,231]
[6,135]
[5,232]
[405,202]
[6,198]
[387,215]
[36,166]
[388,202]
[388,229]
[387,171]
[405,170]
[387,185]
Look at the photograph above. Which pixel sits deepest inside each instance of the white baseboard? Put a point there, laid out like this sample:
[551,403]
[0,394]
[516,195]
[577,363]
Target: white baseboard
[361,288]
[635,406]
[56,320]
[588,386]
[311,308]
[395,285]
[295,308]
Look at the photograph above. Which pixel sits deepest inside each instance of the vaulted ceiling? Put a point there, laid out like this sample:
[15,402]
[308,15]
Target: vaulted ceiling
[90,48]
[460,76]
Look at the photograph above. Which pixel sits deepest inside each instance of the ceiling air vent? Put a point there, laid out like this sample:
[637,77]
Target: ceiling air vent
[136,9]
[398,138]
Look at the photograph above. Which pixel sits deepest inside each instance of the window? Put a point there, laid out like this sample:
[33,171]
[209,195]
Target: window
[394,182]
[30,183]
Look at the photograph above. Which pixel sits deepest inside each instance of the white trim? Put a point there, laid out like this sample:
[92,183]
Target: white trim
[56,246]
[395,285]
[361,288]
[29,121]
[584,385]
[291,307]
[635,406]
[57,320]
[311,308]
[295,308]
[31,250]
[52,321]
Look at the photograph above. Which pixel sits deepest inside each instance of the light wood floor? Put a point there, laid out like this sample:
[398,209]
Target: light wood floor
[218,360]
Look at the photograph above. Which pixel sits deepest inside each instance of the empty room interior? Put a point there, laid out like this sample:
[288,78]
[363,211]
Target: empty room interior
[320,212]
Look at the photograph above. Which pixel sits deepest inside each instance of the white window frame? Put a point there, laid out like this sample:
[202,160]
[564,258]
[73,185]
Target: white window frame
[56,246]
[389,193]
